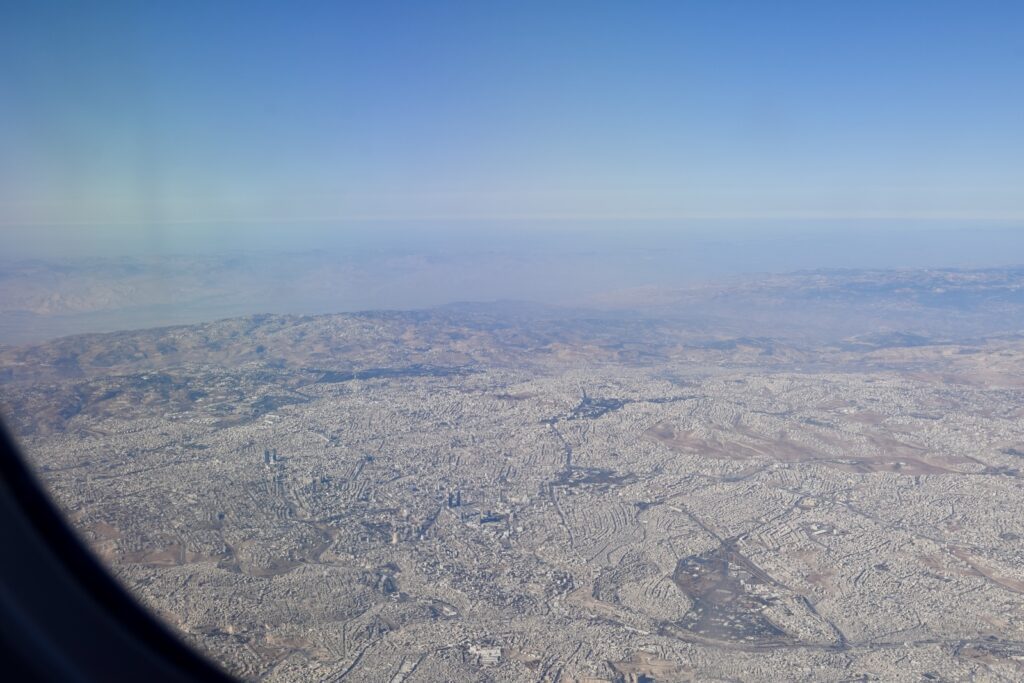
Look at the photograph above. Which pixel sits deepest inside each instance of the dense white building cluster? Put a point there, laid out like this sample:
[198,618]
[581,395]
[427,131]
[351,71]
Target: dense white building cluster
[582,518]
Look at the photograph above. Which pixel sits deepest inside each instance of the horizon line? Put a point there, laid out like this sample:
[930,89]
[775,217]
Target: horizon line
[533,218]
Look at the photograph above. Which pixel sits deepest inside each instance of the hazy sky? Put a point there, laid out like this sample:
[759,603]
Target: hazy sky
[132,113]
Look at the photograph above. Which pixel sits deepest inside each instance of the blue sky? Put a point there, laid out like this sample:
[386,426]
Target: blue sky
[138,113]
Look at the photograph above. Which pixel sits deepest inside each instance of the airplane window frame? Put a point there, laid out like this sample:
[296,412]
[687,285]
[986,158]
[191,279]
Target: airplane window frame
[63,617]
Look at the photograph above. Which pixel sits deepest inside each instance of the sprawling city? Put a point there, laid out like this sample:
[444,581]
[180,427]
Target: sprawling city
[517,493]
[587,341]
